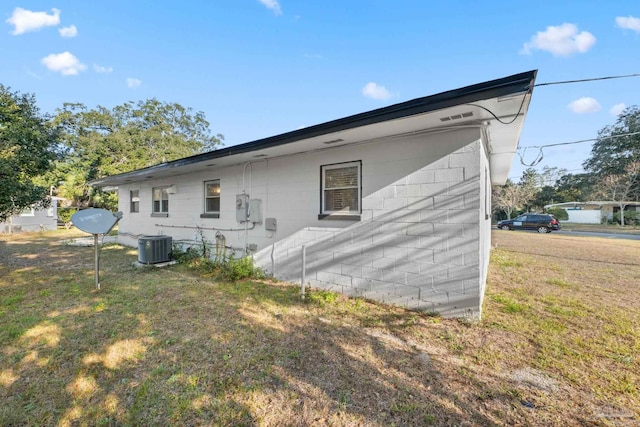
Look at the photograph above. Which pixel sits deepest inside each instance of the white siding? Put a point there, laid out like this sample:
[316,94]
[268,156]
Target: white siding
[584,216]
[422,241]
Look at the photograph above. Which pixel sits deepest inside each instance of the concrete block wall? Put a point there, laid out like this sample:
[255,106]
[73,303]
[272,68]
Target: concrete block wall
[417,243]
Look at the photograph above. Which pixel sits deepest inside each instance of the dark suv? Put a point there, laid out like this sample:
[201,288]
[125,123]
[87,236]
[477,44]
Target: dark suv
[542,223]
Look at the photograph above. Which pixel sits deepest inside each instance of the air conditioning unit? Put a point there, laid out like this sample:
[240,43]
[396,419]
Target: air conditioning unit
[154,249]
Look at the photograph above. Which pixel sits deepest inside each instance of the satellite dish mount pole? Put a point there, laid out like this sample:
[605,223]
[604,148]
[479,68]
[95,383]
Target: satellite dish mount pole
[96,222]
[97,257]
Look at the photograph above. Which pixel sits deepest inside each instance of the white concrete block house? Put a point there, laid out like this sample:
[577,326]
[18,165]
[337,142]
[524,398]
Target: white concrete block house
[392,204]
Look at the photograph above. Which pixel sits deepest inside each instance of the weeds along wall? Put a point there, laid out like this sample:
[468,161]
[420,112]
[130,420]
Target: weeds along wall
[416,242]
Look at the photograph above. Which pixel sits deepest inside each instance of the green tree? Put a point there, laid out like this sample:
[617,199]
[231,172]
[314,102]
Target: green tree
[550,175]
[27,150]
[574,188]
[528,187]
[102,142]
[545,196]
[611,153]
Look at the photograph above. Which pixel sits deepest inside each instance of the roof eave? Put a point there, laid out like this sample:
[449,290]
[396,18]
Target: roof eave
[517,83]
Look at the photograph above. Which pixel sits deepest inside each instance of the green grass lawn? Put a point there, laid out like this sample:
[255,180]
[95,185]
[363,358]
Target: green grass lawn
[558,344]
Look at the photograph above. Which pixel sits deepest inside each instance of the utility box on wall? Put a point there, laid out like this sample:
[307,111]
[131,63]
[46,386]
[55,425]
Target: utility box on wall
[242,207]
[271,224]
[255,211]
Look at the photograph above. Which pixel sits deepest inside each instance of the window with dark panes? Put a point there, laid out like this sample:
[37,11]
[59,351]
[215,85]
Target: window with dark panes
[134,197]
[341,188]
[160,200]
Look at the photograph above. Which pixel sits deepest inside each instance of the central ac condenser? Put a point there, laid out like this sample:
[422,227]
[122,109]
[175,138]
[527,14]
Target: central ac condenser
[154,249]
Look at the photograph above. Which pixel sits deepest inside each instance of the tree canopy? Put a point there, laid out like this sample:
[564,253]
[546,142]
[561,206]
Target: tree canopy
[102,142]
[611,153]
[27,149]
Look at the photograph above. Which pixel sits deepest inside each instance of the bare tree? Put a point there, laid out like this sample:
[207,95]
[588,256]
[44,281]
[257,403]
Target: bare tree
[509,197]
[620,187]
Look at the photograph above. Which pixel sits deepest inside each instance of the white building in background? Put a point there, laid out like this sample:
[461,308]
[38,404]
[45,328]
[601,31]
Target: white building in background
[594,212]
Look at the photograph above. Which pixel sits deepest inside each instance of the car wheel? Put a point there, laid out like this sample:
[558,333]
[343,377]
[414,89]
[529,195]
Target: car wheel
[543,230]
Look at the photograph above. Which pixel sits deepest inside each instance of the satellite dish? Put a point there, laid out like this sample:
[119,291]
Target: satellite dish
[95,221]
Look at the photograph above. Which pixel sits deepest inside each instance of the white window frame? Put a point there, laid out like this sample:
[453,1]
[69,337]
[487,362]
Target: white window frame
[28,212]
[207,213]
[323,169]
[132,200]
[164,191]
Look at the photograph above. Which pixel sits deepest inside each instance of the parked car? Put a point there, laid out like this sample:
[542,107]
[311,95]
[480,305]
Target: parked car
[542,223]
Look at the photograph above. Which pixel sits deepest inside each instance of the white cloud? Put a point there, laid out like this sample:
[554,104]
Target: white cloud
[629,23]
[102,70]
[273,5]
[25,20]
[133,83]
[562,40]
[68,32]
[373,90]
[617,109]
[65,63]
[585,105]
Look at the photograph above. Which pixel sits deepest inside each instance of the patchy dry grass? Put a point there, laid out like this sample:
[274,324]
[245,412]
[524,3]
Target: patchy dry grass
[558,344]
[601,228]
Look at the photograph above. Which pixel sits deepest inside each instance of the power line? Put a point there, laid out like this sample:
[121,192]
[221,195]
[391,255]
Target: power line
[540,148]
[581,141]
[587,80]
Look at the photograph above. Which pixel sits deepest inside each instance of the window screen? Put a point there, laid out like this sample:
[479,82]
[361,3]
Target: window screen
[341,188]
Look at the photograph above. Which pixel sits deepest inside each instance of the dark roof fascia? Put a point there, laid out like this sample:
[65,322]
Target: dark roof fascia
[505,86]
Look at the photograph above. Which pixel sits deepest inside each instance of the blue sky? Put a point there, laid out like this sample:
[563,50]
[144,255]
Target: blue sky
[258,68]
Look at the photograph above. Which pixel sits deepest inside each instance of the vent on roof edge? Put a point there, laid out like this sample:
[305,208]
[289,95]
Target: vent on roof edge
[260,155]
[333,141]
[456,116]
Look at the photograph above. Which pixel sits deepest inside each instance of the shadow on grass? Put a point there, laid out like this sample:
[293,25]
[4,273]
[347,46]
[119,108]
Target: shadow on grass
[166,347]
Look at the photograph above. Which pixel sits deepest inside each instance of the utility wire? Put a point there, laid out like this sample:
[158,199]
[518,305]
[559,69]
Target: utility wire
[549,84]
[540,148]
[581,141]
[524,98]
[587,80]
